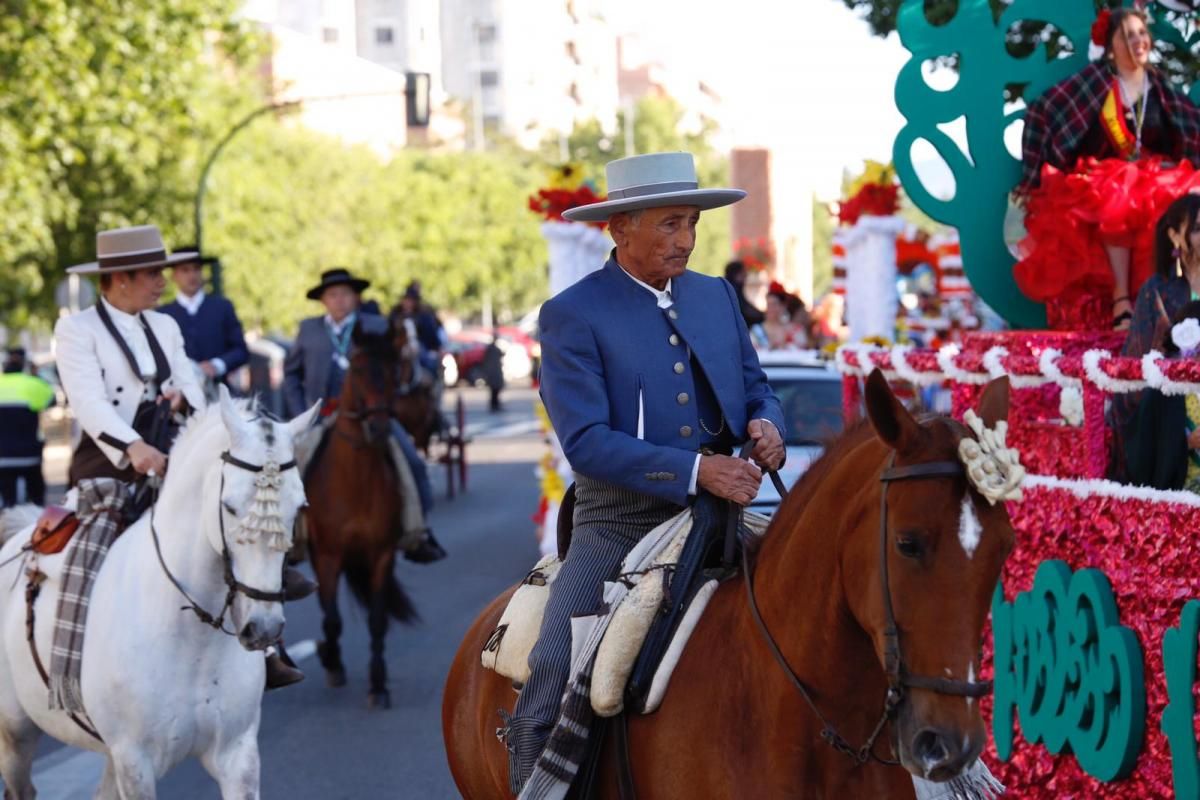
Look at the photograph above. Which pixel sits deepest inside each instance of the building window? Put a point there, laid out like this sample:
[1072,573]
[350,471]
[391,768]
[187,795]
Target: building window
[385,35]
[329,35]
[487,34]
[489,78]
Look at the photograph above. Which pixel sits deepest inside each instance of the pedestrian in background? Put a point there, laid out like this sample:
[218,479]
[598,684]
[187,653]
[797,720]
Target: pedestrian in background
[22,398]
[735,273]
[493,371]
[212,333]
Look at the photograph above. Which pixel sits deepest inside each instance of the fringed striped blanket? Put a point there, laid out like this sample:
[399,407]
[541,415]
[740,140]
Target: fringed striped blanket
[567,747]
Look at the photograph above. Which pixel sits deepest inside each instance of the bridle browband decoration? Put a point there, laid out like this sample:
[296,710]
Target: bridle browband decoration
[898,677]
[233,586]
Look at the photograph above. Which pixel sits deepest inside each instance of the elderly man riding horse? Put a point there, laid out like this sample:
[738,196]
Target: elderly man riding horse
[650,381]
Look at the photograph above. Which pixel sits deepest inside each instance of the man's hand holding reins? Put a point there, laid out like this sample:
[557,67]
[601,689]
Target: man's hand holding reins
[768,450]
[729,478]
[146,459]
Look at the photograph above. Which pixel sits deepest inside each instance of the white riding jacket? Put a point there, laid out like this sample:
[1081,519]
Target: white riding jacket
[101,387]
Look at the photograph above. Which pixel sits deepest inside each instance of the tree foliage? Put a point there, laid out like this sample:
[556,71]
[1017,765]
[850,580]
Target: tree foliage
[105,108]
[286,203]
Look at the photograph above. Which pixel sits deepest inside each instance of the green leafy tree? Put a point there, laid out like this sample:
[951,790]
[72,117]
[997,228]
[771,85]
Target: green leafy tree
[286,203]
[106,107]
[658,127]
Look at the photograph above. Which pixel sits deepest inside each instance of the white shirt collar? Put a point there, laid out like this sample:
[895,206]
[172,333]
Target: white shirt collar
[121,318]
[190,304]
[338,327]
[662,296]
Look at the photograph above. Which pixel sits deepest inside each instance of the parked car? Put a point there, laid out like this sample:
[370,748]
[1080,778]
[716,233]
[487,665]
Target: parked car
[810,391]
[466,356]
[517,360]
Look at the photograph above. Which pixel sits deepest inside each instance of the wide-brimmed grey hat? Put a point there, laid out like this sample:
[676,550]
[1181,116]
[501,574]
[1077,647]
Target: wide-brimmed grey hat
[652,181]
[123,249]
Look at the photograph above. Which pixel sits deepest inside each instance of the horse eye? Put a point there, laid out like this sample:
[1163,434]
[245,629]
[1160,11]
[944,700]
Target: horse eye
[909,546]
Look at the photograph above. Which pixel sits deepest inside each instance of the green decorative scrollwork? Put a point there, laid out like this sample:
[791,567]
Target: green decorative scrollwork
[987,172]
[1179,658]
[1070,670]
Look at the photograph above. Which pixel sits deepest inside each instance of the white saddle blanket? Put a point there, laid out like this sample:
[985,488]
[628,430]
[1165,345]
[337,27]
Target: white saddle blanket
[508,647]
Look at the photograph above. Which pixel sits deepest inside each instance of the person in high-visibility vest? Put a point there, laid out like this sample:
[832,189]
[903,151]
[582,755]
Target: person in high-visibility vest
[22,398]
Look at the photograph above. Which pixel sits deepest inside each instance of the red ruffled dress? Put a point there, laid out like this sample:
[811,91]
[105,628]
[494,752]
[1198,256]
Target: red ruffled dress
[1106,199]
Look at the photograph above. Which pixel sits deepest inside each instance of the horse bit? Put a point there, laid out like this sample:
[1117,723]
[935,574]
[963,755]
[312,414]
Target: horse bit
[232,584]
[898,677]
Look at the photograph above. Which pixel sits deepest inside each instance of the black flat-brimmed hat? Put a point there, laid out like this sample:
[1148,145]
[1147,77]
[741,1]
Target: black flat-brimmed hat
[192,255]
[338,276]
[123,249]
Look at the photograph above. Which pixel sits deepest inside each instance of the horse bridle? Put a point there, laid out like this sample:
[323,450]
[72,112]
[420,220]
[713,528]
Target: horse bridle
[233,586]
[898,677]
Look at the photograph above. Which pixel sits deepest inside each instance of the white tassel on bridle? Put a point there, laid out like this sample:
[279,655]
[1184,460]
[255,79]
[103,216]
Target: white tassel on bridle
[976,783]
[265,519]
[993,467]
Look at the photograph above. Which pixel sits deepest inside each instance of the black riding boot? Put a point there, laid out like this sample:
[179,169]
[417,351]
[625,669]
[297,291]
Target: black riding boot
[426,551]
[281,670]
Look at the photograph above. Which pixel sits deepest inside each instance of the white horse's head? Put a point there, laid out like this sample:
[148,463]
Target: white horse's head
[254,516]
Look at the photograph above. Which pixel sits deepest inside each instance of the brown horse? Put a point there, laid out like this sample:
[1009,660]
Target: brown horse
[415,407]
[734,724]
[354,521]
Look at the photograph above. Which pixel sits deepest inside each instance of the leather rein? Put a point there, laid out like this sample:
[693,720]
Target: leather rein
[898,676]
[233,586]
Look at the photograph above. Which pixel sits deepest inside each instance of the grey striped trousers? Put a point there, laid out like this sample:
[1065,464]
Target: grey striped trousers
[608,522]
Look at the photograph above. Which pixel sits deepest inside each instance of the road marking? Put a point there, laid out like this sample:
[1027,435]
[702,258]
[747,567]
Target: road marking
[306,648]
[490,431]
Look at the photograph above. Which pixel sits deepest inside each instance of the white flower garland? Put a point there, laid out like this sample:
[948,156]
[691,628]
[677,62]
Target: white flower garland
[945,359]
[993,362]
[1157,379]
[1048,364]
[1095,487]
[1091,368]
[908,373]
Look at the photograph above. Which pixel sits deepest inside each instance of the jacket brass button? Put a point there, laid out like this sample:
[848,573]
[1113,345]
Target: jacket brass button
[673,338]
[672,313]
[678,367]
[681,398]
[685,431]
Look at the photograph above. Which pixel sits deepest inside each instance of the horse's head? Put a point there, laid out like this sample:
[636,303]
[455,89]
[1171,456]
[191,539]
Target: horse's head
[938,555]
[254,503]
[415,406]
[370,385]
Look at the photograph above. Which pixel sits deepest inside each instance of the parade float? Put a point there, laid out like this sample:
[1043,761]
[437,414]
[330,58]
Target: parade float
[575,249]
[1094,630]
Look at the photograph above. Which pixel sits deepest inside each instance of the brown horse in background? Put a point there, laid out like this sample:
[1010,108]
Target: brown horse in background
[732,723]
[354,521]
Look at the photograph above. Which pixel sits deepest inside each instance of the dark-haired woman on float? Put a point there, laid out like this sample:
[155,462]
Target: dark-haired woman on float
[1174,284]
[1105,151]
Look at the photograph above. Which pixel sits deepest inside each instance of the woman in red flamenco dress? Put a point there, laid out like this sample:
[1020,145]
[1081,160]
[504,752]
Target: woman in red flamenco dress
[1104,151]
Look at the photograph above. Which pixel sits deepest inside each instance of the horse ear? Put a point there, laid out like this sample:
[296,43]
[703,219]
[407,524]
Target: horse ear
[303,421]
[890,419]
[993,404]
[229,413]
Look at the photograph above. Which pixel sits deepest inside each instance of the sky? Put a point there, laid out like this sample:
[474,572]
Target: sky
[803,77]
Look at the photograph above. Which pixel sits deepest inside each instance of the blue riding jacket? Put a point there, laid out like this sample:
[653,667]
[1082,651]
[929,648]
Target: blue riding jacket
[619,377]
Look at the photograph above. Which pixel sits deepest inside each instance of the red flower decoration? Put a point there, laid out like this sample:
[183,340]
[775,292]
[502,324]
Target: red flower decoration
[551,203]
[1100,28]
[873,199]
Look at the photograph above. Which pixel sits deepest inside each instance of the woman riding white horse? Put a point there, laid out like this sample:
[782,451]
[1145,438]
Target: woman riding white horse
[161,680]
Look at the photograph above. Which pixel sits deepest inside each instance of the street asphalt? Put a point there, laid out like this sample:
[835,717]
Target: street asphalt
[319,742]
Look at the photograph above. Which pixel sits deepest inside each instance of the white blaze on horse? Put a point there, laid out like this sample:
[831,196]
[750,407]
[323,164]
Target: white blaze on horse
[158,683]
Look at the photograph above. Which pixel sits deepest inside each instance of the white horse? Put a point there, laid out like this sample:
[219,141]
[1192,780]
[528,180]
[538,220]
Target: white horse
[158,683]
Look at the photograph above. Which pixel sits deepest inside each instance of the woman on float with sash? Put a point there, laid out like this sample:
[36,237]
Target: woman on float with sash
[1105,152]
[128,381]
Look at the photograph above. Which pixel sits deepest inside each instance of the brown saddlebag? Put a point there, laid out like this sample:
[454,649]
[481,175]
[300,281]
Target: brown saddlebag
[54,529]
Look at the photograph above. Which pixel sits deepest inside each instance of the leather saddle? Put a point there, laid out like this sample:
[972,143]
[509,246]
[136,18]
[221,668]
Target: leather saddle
[53,530]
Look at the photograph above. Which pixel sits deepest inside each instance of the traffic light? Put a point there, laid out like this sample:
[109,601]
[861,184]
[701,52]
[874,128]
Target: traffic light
[416,99]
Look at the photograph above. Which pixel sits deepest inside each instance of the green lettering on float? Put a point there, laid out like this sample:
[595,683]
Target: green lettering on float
[1071,672]
[1179,659]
